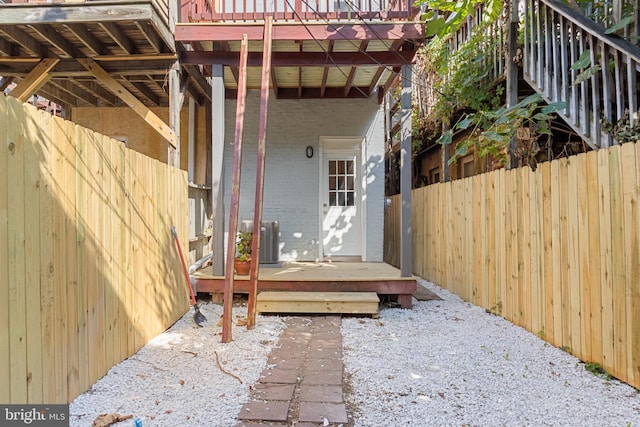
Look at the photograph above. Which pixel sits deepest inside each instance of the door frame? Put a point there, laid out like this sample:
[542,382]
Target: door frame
[344,145]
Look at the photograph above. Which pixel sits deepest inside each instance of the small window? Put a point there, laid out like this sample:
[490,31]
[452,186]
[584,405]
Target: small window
[341,184]
[434,175]
[468,166]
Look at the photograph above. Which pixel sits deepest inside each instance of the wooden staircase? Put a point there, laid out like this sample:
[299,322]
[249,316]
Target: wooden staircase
[555,38]
[318,302]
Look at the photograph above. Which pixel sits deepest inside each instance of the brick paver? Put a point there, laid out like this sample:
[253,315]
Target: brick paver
[302,383]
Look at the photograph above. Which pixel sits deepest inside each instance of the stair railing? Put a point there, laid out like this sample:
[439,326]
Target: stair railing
[555,37]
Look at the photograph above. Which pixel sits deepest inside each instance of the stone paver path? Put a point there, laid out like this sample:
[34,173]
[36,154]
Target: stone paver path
[302,385]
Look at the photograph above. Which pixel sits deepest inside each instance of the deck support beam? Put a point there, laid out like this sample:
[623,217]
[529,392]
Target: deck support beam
[406,230]
[33,81]
[131,100]
[227,320]
[262,148]
[217,170]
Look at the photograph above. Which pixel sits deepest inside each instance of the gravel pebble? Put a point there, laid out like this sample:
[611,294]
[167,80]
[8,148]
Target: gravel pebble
[450,363]
[174,380]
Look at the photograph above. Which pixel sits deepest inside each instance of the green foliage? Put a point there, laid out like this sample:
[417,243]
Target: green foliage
[461,76]
[244,244]
[443,18]
[491,131]
[596,369]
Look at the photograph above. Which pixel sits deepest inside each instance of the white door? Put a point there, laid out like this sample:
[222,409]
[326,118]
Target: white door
[341,226]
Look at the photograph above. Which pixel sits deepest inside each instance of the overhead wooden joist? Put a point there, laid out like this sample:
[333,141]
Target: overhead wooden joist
[262,152]
[234,205]
[302,59]
[138,107]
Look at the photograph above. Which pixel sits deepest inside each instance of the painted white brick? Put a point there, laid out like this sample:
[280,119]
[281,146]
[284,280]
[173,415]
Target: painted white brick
[291,194]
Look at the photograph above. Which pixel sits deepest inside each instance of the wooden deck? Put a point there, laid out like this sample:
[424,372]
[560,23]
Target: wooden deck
[377,277]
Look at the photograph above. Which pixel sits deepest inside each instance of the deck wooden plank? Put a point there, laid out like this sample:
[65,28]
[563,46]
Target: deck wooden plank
[318,302]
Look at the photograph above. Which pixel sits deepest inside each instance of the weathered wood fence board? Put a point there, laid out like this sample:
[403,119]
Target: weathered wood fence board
[556,251]
[88,268]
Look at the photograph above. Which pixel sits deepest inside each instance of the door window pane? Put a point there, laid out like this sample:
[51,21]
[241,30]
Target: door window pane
[341,185]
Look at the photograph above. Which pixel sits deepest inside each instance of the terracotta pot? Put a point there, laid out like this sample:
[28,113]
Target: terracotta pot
[242,267]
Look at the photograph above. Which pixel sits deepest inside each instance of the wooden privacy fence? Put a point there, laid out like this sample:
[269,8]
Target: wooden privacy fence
[88,268]
[556,251]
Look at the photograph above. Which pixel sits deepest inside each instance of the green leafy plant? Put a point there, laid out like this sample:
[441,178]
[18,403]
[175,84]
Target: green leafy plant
[596,369]
[491,131]
[244,243]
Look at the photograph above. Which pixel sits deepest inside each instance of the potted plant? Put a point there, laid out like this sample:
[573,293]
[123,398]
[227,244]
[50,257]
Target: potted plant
[242,262]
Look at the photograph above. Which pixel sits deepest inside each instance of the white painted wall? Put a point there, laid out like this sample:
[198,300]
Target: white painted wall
[291,179]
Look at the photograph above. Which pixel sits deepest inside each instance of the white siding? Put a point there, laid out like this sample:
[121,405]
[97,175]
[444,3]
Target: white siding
[291,179]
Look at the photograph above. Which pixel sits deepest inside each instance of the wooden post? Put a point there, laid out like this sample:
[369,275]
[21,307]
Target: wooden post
[192,140]
[217,153]
[262,147]
[176,99]
[445,176]
[406,255]
[235,193]
[512,75]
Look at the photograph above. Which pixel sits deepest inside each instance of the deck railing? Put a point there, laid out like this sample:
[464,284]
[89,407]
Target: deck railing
[297,10]
[555,38]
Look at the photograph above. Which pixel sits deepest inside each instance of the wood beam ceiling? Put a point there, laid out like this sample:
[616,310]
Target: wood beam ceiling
[119,37]
[302,59]
[130,40]
[87,38]
[55,39]
[20,37]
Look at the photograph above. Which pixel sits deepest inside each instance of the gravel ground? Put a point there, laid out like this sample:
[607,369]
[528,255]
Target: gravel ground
[444,363]
[449,363]
[175,380]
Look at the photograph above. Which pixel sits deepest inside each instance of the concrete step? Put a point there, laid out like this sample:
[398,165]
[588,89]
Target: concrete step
[318,302]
